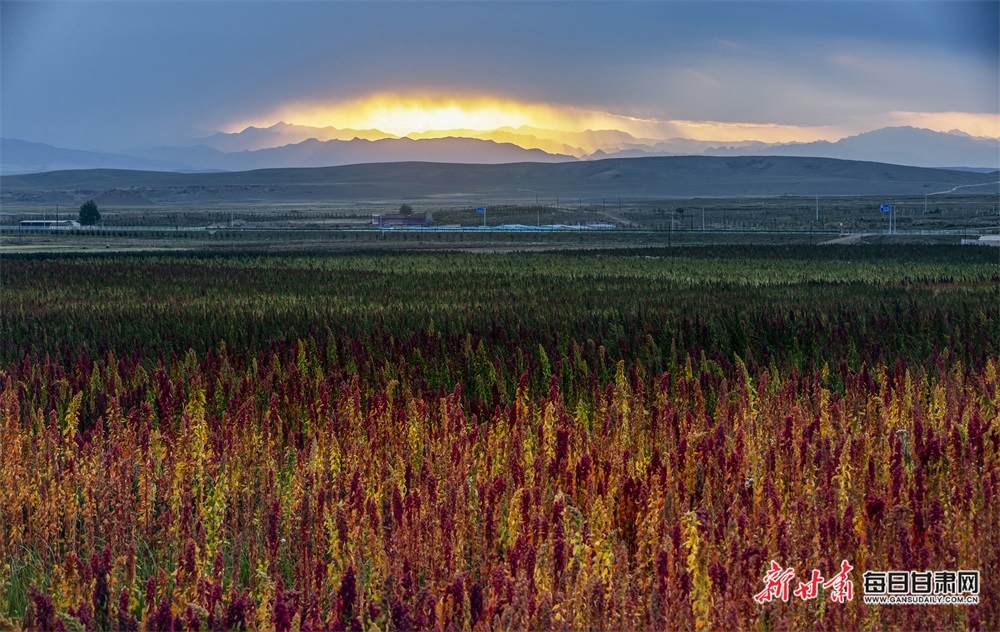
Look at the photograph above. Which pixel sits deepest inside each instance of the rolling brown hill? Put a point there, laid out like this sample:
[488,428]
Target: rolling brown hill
[633,178]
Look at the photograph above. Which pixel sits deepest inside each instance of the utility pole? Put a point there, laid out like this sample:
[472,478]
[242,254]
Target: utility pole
[703,218]
[817,209]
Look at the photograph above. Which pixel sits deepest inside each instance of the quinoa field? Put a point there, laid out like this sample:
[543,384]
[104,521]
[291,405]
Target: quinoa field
[618,440]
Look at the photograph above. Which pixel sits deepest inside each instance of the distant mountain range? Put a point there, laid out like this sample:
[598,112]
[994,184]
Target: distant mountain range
[280,134]
[18,156]
[900,146]
[288,146]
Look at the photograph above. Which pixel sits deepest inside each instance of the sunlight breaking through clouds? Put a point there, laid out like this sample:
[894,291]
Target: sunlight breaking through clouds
[424,114]
[405,114]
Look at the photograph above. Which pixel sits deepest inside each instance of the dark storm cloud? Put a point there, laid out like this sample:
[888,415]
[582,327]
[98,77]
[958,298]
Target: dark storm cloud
[118,74]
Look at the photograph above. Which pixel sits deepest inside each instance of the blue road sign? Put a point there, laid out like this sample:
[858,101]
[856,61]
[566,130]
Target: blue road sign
[480,209]
[886,208]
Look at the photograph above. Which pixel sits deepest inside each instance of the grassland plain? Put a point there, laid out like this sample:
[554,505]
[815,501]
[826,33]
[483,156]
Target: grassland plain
[599,440]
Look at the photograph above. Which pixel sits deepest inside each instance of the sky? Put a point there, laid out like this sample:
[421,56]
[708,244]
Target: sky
[124,74]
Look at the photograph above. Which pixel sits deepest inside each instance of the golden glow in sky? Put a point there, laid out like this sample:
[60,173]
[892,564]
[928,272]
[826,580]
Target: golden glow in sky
[971,123]
[417,113]
[557,128]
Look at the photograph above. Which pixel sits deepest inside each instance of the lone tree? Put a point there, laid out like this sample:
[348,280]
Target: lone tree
[406,210]
[89,215]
